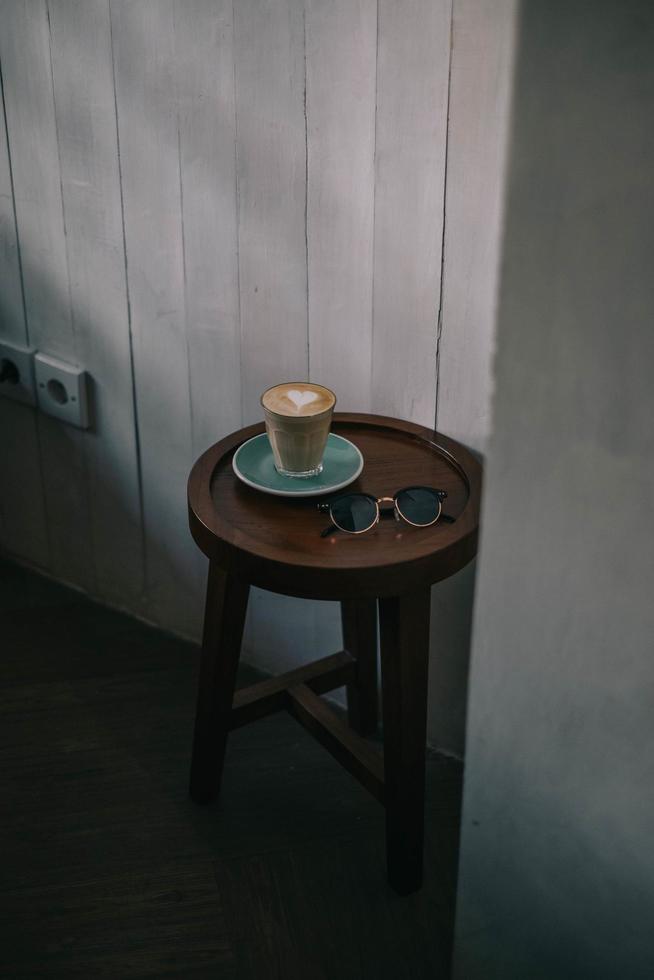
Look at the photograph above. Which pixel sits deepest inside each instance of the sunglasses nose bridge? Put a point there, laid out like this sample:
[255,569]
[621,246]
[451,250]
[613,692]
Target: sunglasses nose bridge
[386,504]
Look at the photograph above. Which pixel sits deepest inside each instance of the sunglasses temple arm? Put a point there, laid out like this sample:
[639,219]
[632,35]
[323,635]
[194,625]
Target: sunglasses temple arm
[447,518]
[328,531]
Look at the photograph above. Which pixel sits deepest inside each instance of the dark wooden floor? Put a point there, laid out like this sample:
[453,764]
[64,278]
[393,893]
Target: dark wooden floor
[108,869]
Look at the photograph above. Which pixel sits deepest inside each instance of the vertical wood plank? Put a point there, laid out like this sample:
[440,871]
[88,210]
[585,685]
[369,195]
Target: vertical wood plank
[27,75]
[12,315]
[204,58]
[482,60]
[341,43]
[271,175]
[86,131]
[412,86]
[271,168]
[22,513]
[143,43]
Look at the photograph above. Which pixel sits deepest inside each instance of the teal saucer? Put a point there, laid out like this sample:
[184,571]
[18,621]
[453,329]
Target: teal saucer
[341,464]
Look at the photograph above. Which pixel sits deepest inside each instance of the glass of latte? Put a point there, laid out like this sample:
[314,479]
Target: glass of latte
[298,417]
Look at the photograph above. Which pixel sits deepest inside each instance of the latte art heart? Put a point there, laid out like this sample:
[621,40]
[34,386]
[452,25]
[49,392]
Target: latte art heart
[297,400]
[301,398]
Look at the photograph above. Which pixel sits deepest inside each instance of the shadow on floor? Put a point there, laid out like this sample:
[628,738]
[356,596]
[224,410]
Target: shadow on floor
[109,870]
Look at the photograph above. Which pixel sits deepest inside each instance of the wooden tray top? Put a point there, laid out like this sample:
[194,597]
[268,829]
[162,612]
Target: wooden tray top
[274,542]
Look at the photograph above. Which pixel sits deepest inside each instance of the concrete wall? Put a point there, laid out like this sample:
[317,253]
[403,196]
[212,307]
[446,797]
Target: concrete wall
[557,863]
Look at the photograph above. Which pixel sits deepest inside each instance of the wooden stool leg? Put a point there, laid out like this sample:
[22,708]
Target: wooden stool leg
[404,623]
[224,618]
[359,619]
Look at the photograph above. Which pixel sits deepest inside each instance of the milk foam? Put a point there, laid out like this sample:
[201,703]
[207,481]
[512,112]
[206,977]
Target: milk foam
[298,399]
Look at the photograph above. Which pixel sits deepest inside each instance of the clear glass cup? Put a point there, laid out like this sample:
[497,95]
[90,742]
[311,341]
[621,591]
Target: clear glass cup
[298,416]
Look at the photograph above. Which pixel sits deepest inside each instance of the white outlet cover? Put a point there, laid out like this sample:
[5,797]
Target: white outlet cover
[61,390]
[23,360]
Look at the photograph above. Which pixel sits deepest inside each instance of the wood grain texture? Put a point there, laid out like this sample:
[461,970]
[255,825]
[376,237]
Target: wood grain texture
[482,61]
[206,122]
[143,41]
[275,543]
[341,56]
[80,39]
[27,77]
[204,65]
[269,51]
[31,126]
[271,162]
[412,87]
[12,314]
[22,512]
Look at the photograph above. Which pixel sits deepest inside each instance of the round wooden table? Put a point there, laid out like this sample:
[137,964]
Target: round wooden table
[275,543]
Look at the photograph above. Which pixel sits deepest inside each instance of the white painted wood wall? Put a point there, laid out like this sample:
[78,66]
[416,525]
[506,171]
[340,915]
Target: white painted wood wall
[199,198]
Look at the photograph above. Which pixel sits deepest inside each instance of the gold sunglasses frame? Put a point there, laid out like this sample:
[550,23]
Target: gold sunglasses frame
[327,508]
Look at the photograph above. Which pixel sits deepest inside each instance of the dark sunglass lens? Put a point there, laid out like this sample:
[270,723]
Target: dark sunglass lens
[418,505]
[354,512]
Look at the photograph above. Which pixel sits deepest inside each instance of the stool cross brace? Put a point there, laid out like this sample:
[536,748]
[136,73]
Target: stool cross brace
[396,777]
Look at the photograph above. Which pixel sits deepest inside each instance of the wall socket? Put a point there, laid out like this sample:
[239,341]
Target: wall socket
[17,373]
[62,390]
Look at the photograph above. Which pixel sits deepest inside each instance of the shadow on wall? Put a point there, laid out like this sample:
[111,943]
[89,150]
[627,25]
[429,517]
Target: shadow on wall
[114,497]
[95,503]
[280,630]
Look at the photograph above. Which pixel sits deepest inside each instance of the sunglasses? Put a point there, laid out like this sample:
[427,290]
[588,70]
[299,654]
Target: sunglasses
[355,513]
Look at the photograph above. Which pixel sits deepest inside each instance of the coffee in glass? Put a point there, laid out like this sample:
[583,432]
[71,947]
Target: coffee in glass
[298,417]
